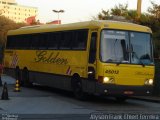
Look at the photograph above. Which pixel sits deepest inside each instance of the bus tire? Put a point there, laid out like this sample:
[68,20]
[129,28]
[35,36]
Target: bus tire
[25,78]
[76,84]
[121,99]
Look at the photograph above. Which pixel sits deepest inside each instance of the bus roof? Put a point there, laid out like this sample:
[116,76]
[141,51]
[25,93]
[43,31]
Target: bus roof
[100,24]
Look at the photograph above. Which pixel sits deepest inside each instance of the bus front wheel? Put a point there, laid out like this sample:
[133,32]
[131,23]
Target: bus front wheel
[76,84]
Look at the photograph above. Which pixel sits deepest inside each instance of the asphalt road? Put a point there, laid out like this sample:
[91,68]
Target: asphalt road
[40,103]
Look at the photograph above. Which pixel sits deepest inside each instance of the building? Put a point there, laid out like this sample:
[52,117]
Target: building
[18,13]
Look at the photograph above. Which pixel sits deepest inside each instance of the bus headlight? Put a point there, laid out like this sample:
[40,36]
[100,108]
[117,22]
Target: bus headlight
[108,80]
[149,82]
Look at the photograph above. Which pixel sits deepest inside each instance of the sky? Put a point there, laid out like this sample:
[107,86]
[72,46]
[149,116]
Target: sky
[78,10]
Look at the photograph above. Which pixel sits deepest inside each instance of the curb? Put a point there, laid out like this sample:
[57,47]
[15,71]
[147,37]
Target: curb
[146,99]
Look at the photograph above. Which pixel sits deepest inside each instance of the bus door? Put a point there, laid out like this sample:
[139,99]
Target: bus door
[92,62]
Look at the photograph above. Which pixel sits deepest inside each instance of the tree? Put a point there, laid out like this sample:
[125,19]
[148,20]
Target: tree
[120,10]
[155,11]
[104,15]
[5,25]
[132,15]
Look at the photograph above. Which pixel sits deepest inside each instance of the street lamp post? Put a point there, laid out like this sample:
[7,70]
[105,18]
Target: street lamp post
[58,11]
[139,4]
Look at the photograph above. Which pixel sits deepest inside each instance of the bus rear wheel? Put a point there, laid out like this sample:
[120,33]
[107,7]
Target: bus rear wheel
[25,78]
[77,88]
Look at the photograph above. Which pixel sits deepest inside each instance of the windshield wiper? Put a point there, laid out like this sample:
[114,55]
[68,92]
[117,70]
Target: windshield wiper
[134,53]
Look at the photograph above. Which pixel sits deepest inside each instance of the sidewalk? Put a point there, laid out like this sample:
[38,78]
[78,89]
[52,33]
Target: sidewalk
[7,79]
[147,98]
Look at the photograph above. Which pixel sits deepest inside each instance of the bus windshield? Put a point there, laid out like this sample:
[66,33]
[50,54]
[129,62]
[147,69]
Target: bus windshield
[126,47]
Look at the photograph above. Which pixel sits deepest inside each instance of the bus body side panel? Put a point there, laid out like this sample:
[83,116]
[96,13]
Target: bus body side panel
[48,67]
[51,80]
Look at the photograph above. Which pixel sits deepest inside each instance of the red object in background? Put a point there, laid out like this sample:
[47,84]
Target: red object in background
[55,22]
[31,19]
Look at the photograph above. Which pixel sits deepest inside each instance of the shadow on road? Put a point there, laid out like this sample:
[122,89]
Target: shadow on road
[90,98]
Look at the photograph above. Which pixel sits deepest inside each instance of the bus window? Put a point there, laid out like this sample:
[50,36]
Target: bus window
[66,39]
[18,42]
[35,41]
[80,40]
[10,42]
[141,48]
[114,46]
[24,41]
[42,41]
[52,40]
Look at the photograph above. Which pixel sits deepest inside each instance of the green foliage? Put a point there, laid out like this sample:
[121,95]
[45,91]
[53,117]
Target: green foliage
[120,10]
[131,15]
[154,11]
[103,15]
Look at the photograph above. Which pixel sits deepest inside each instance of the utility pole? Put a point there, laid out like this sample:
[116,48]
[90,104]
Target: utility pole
[139,3]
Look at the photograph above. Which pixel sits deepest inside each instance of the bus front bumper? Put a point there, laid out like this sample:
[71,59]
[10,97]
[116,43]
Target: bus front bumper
[125,90]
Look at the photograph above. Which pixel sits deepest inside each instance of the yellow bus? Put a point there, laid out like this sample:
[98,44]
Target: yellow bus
[107,58]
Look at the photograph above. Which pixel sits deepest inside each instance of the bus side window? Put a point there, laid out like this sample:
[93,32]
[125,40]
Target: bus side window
[79,41]
[52,41]
[35,41]
[18,42]
[92,52]
[25,42]
[10,42]
[42,42]
[66,40]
